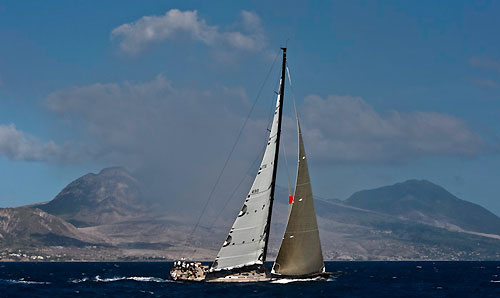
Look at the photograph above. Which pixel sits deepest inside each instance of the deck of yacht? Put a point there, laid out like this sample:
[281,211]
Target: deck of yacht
[195,272]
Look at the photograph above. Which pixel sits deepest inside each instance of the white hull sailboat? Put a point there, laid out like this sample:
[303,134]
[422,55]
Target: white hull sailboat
[243,254]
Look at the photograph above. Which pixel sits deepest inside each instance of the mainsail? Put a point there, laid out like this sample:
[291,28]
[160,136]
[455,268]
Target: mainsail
[246,243]
[300,252]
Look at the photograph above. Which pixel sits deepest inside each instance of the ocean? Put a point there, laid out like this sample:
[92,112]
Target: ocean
[359,279]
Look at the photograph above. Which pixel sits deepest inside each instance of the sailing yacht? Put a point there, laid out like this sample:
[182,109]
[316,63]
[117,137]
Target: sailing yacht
[243,254]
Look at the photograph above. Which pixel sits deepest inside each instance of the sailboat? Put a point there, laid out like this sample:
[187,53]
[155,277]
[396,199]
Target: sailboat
[243,254]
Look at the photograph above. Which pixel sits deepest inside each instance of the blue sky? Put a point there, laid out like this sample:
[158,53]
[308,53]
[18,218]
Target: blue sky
[388,91]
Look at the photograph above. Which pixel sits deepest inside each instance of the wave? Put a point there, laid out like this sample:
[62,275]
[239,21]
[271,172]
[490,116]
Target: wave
[134,278]
[79,280]
[26,282]
[290,280]
[98,278]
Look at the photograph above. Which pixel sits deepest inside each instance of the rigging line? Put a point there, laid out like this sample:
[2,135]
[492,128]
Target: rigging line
[296,114]
[238,186]
[293,99]
[293,92]
[269,121]
[232,194]
[286,166]
[272,106]
[230,154]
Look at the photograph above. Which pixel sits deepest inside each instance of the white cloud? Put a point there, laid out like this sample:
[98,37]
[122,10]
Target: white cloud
[16,145]
[347,129]
[134,117]
[251,21]
[169,136]
[139,123]
[177,139]
[142,33]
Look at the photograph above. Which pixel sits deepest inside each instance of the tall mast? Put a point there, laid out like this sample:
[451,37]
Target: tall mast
[246,243]
[273,185]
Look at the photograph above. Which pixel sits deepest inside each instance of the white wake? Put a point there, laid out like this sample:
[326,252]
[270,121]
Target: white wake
[134,278]
[290,280]
[27,282]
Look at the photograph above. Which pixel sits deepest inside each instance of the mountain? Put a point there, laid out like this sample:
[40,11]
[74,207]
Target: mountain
[426,202]
[110,196]
[32,227]
[351,233]
[102,217]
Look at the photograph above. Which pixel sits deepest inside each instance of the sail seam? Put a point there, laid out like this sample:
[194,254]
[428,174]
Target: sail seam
[259,192]
[236,256]
[240,229]
[300,232]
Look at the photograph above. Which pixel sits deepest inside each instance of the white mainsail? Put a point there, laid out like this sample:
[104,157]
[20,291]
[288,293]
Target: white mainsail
[246,242]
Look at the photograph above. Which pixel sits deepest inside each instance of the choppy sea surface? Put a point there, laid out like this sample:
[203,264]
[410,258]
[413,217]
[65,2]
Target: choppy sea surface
[360,279]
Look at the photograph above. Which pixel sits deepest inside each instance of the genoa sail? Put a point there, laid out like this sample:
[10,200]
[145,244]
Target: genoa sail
[246,243]
[300,252]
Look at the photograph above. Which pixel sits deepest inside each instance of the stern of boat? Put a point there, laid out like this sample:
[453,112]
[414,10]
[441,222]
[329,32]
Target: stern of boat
[194,271]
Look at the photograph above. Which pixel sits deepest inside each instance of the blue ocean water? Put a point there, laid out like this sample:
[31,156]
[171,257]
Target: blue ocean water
[360,279]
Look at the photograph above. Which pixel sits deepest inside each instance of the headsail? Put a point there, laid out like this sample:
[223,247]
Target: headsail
[246,243]
[300,252]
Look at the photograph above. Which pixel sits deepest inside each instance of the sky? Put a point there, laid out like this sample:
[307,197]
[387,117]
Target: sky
[386,91]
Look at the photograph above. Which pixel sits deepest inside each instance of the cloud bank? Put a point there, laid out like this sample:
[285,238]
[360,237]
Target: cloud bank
[347,129]
[176,140]
[136,36]
[16,145]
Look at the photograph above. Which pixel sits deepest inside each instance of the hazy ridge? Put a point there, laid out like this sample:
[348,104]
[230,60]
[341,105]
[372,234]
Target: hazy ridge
[104,217]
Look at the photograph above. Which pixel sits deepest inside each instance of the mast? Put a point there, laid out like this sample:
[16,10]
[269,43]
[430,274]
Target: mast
[280,115]
[246,244]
